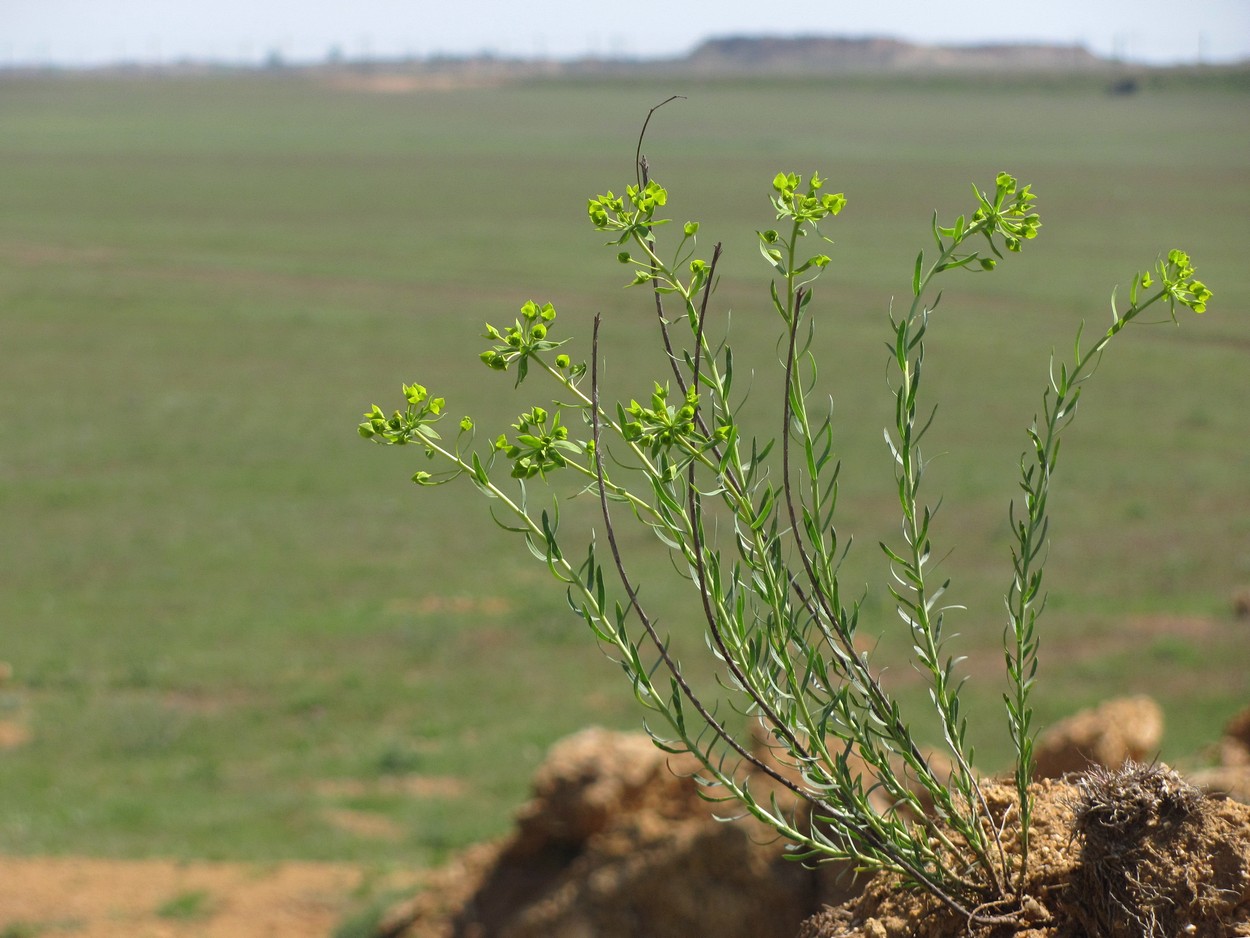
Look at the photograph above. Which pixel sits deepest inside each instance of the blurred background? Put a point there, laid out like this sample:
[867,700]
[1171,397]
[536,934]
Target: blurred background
[231,629]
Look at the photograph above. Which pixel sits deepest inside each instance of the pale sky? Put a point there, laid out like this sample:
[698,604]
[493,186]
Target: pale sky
[92,32]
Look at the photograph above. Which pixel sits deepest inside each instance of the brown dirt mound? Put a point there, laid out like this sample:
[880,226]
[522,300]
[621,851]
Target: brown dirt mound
[1131,853]
[616,843]
[1231,777]
[1128,728]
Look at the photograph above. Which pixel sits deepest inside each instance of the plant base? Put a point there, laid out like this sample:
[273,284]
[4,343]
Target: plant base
[1133,852]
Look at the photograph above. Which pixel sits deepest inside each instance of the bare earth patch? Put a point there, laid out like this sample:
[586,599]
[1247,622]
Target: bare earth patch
[367,824]
[13,733]
[414,82]
[412,786]
[91,898]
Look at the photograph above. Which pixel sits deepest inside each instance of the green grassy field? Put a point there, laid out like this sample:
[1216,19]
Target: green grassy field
[229,618]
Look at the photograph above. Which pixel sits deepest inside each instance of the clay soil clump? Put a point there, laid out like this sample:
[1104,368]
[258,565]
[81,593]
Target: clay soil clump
[616,843]
[1136,852]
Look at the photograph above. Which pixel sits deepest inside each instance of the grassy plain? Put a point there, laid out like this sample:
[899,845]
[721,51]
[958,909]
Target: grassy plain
[236,631]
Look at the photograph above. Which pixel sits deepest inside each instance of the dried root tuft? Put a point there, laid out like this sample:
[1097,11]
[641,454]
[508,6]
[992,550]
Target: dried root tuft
[1146,868]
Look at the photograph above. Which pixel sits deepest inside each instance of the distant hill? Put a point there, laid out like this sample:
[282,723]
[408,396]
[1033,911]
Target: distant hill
[833,54]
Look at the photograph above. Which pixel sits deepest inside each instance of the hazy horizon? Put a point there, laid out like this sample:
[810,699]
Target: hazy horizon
[85,33]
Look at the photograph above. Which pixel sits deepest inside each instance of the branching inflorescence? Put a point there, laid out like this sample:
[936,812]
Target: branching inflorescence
[774,612]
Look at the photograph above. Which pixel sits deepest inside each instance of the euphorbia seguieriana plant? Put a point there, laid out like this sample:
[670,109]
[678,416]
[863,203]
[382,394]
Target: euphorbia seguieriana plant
[775,614]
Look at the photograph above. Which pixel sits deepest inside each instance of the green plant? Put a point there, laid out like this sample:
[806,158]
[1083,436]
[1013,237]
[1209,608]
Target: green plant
[369,919]
[192,904]
[753,530]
